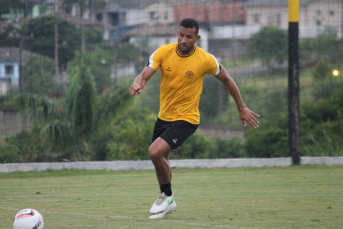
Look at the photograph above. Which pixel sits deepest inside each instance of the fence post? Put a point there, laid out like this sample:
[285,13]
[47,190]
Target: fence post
[293,81]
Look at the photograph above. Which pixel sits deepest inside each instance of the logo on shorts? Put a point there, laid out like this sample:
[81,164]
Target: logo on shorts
[189,74]
[175,140]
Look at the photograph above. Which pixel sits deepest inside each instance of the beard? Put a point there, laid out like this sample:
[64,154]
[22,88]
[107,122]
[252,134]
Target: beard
[185,49]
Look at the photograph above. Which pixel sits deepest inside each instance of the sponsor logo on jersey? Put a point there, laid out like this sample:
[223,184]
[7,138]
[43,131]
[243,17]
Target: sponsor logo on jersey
[189,74]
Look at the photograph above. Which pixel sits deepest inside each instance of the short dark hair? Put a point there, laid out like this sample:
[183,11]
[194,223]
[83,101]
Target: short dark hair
[190,23]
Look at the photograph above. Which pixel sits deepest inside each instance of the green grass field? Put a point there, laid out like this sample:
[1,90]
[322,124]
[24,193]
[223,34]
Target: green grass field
[290,197]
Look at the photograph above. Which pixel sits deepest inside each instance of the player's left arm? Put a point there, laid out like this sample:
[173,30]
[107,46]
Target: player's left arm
[245,114]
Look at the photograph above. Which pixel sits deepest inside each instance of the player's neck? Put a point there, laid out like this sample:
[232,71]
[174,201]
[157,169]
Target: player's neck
[185,53]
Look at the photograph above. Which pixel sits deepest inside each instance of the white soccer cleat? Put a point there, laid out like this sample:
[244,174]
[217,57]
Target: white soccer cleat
[171,208]
[161,203]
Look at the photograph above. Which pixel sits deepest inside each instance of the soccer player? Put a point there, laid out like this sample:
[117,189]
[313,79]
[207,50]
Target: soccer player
[183,67]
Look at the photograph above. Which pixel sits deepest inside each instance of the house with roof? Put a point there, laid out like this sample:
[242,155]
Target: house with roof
[215,13]
[158,35]
[315,17]
[10,60]
[120,16]
[29,8]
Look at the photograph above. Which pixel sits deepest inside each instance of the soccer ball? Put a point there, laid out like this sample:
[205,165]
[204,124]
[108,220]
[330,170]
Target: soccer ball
[28,219]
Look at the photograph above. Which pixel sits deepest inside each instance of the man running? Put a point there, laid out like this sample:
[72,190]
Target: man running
[183,67]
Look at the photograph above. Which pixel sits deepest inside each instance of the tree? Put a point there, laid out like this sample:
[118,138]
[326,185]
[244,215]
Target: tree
[7,5]
[66,128]
[39,75]
[99,62]
[82,100]
[40,39]
[321,126]
[270,43]
[313,49]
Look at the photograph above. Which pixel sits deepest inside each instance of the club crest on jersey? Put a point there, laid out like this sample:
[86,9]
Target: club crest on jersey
[168,69]
[189,74]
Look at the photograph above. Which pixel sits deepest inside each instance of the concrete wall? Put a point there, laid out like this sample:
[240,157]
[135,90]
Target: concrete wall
[11,123]
[147,165]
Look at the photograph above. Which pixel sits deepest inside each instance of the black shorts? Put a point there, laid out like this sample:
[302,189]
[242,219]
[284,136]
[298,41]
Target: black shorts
[174,133]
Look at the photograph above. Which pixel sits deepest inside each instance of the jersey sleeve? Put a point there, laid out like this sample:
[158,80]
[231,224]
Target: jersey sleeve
[213,66]
[155,59]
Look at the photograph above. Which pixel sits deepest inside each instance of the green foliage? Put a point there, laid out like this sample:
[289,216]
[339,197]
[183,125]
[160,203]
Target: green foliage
[39,109]
[39,76]
[6,5]
[149,98]
[56,130]
[224,148]
[320,131]
[40,38]
[325,84]
[112,104]
[324,47]
[82,99]
[270,43]
[127,137]
[75,129]
[269,141]
[322,128]
[93,38]
[321,71]
[209,102]
[132,143]
[7,39]
[99,62]
[25,147]
[8,153]
[197,146]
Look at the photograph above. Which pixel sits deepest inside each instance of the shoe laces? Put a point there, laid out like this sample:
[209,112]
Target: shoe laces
[161,198]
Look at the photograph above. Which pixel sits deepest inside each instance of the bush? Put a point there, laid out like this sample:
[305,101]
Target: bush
[131,143]
[321,71]
[127,139]
[39,76]
[224,148]
[325,88]
[197,146]
[271,141]
[321,128]
[26,147]
[8,153]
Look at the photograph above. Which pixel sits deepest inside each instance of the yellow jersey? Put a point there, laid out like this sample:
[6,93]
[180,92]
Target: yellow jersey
[182,81]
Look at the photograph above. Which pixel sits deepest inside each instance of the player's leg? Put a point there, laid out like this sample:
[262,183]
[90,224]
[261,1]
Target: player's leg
[157,151]
[167,158]
[159,128]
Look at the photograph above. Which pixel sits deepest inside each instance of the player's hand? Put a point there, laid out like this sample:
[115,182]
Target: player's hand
[135,89]
[248,116]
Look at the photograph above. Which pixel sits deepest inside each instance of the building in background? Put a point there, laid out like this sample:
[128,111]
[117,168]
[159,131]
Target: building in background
[10,59]
[315,17]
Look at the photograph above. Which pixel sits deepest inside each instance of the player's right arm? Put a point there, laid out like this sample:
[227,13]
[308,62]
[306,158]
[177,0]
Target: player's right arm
[141,80]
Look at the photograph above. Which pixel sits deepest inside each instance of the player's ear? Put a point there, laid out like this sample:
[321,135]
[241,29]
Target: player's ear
[198,38]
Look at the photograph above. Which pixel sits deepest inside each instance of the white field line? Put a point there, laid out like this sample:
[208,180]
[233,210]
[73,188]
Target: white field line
[134,218]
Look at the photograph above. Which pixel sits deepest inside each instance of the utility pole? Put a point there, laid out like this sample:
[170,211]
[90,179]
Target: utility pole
[293,81]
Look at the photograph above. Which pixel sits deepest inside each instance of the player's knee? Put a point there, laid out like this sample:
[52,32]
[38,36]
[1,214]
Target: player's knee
[154,154]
